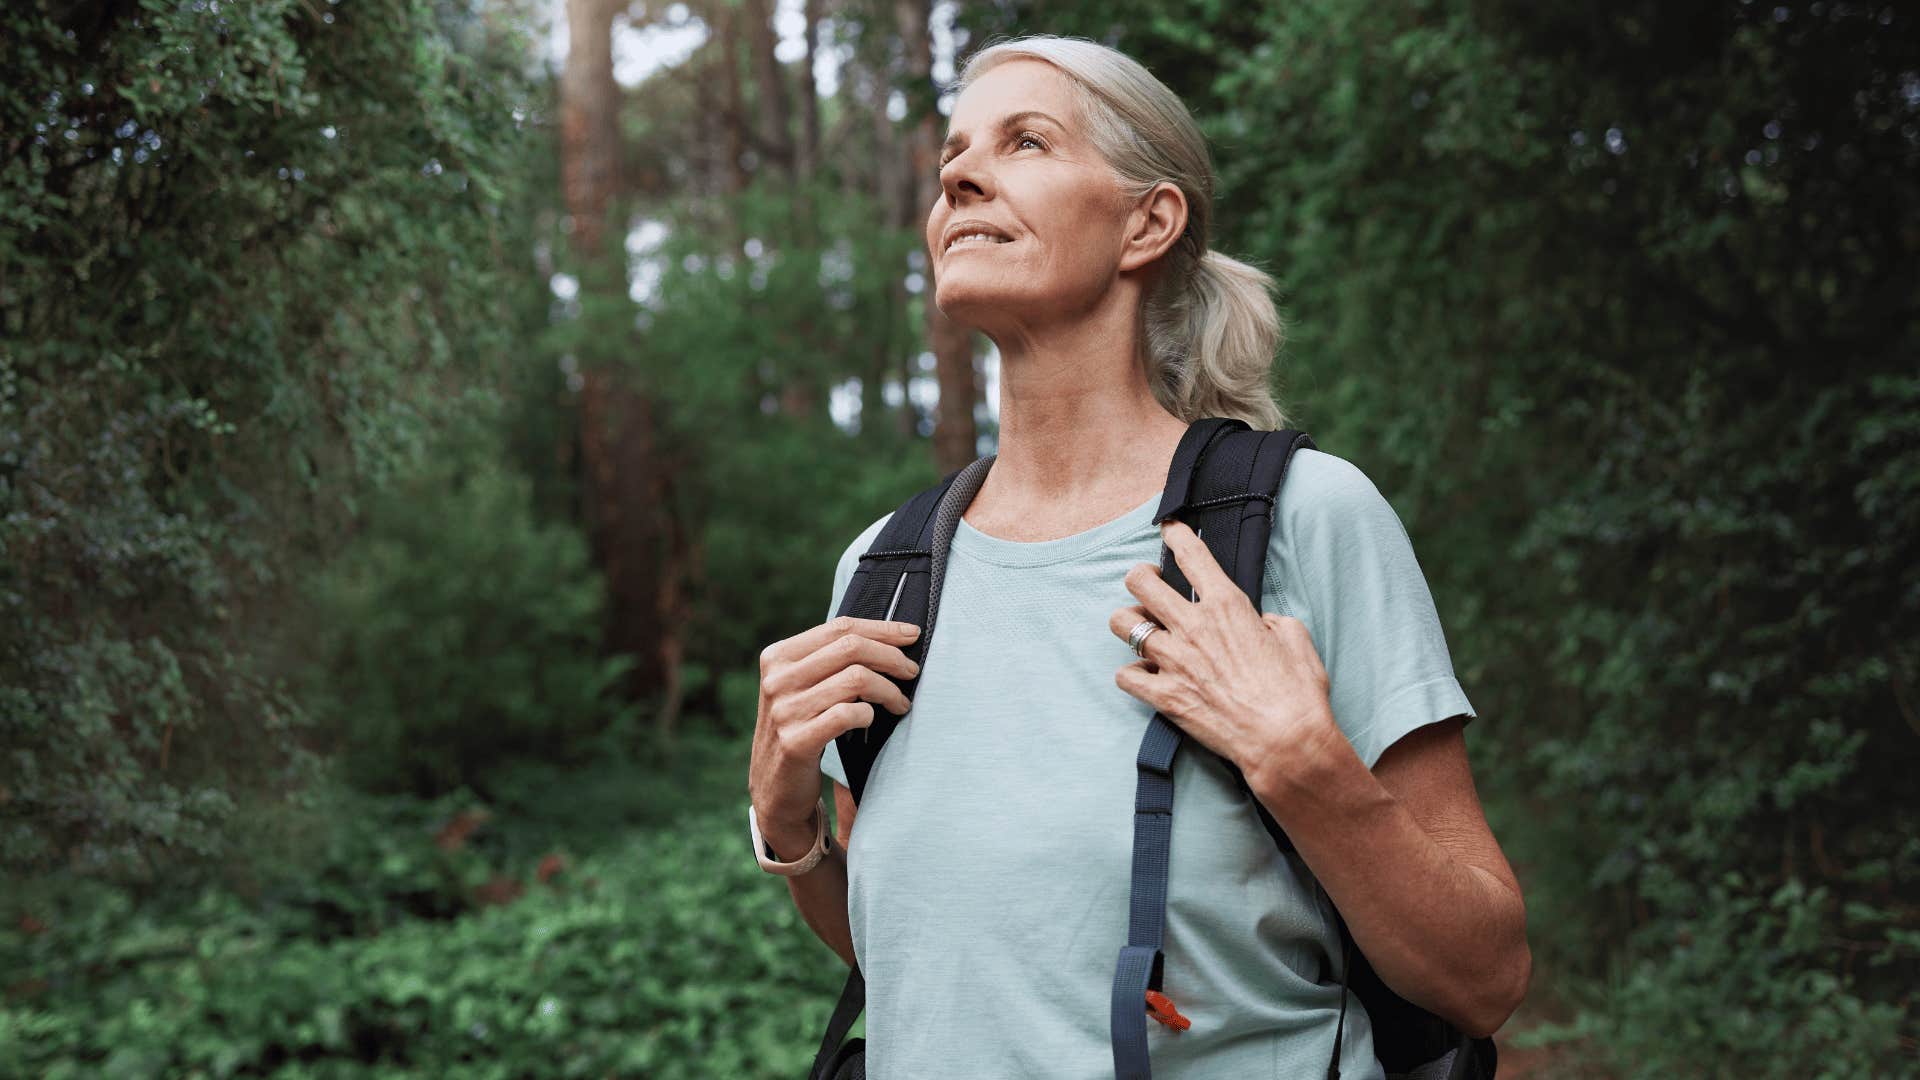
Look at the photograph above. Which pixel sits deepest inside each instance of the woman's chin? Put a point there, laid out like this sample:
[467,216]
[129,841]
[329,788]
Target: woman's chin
[979,299]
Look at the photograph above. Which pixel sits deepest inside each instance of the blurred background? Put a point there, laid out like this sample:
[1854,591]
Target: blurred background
[415,417]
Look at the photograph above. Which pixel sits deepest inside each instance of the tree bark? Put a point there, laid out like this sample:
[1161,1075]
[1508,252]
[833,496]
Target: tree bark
[808,156]
[954,434]
[641,551]
[589,122]
[776,111]
[891,191]
[727,43]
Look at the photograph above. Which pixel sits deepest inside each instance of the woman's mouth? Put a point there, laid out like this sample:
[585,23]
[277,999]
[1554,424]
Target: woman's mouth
[974,240]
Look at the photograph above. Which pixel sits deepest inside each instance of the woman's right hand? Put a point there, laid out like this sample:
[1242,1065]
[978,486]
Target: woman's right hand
[813,686]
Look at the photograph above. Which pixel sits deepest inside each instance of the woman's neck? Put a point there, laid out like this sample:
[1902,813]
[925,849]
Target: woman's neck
[1073,452]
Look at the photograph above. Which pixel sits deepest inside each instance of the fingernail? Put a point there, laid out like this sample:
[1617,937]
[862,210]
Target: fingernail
[909,629]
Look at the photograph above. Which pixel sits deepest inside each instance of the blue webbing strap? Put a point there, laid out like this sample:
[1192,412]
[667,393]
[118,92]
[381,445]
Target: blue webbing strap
[1223,483]
[1140,963]
[1139,966]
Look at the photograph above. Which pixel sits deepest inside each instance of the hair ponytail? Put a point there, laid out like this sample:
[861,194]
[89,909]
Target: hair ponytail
[1212,326]
[1212,334]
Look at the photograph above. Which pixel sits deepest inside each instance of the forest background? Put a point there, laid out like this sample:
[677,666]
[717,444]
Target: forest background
[408,440]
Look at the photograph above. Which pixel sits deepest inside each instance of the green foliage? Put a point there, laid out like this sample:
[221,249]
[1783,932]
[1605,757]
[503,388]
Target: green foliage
[1615,303]
[251,267]
[773,489]
[456,633]
[647,956]
[1746,974]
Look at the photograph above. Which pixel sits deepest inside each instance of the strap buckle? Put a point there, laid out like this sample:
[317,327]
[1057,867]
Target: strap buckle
[1160,1007]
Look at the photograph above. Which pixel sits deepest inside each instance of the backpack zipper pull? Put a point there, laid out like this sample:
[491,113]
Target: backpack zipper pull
[1160,1007]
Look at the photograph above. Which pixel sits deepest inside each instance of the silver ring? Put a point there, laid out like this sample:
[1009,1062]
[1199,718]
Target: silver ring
[1137,637]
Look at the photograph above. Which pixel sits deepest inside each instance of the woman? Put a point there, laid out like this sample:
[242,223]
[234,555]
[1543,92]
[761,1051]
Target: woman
[989,894]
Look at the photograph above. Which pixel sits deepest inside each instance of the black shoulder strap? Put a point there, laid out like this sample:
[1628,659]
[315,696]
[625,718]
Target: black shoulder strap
[898,578]
[1224,483]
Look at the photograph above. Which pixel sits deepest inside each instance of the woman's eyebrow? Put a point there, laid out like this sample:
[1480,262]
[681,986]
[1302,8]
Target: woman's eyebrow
[957,139]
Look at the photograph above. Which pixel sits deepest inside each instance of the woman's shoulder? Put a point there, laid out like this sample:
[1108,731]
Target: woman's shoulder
[1325,495]
[1334,534]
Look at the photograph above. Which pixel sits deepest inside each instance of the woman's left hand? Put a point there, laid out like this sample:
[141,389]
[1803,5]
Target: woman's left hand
[1249,686]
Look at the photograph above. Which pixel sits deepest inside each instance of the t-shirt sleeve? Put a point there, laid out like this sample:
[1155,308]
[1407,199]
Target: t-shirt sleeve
[830,763]
[1340,561]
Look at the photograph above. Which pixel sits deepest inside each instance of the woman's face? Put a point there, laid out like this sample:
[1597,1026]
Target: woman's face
[1017,160]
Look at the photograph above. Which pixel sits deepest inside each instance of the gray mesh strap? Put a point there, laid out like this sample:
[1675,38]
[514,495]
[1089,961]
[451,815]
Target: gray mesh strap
[946,520]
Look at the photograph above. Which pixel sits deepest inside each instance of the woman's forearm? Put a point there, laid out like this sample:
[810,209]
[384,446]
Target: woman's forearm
[1445,934]
[820,893]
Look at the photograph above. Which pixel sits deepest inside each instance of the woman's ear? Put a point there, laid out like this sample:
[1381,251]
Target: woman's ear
[1157,224]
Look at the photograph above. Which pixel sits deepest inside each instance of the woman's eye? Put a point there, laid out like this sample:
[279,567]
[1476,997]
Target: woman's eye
[941,169]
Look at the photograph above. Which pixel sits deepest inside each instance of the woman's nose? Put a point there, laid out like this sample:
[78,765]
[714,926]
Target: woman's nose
[962,174]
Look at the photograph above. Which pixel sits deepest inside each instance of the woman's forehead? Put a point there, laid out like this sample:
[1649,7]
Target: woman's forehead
[1021,87]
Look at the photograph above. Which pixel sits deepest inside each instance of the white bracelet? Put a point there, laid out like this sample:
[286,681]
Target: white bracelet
[799,866]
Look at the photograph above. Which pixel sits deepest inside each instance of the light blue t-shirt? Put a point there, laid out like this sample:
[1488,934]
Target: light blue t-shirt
[990,859]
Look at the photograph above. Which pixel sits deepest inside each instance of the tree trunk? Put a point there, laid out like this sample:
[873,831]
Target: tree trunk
[807,151]
[954,434]
[776,112]
[627,494]
[589,122]
[734,116]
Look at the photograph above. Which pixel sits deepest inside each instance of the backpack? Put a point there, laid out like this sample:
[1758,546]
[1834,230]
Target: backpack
[1223,482]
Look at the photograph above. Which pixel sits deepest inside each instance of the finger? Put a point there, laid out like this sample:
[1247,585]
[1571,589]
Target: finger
[856,648]
[1139,680]
[809,740]
[1122,622]
[1196,560]
[811,639]
[1298,640]
[1162,602]
[1288,629]
[840,717]
[835,654]
[855,683]
[1124,619]
[1164,651]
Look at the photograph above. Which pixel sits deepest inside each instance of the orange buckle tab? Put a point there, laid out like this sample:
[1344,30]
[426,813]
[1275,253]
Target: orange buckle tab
[1160,1007]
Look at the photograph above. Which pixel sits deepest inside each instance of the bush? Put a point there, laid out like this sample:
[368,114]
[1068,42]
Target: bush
[647,957]
[458,633]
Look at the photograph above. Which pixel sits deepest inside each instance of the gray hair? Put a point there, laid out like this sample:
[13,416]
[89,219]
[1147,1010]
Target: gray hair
[1212,327]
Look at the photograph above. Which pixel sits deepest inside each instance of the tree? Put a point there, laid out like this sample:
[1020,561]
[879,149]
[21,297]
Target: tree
[239,248]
